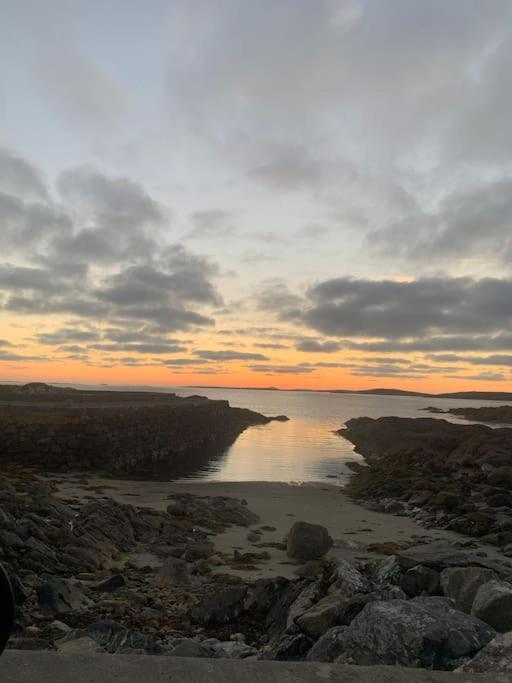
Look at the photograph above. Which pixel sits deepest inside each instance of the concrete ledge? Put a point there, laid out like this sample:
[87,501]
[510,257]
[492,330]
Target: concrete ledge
[18,666]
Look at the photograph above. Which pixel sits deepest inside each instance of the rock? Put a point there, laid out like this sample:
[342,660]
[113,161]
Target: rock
[111,584]
[199,551]
[60,595]
[236,650]
[329,646]
[174,572]
[493,604]
[420,580]
[187,647]
[475,524]
[318,619]
[496,657]
[441,555]
[422,632]
[78,646]
[307,541]
[292,647]
[212,511]
[310,570]
[447,499]
[220,605]
[253,537]
[304,601]
[462,583]
[387,572]
[348,580]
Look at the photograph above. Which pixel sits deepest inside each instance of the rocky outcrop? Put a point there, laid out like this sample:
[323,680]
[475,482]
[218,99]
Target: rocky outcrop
[125,433]
[493,604]
[446,475]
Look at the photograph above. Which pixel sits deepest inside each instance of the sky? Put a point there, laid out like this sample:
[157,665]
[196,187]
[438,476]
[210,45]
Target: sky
[289,193]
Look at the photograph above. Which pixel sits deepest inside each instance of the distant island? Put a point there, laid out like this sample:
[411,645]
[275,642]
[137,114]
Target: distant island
[462,395]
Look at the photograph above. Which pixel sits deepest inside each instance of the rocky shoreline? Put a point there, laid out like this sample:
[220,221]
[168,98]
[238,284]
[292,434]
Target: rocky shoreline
[137,434]
[445,475]
[488,414]
[102,576]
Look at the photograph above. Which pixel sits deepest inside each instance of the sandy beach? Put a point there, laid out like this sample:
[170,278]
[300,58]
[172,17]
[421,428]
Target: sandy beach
[278,505]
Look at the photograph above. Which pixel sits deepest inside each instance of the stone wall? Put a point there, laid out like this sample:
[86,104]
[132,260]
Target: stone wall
[176,437]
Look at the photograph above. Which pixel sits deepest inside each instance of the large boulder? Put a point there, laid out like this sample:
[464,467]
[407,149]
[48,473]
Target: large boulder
[495,657]
[422,632]
[493,604]
[461,584]
[329,646]
[307,541]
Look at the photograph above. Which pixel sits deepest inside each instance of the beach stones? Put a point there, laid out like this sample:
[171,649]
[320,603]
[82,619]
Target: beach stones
[493,604]
[307,541]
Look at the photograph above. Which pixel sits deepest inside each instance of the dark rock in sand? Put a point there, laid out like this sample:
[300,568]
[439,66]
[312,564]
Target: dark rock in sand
[111,584]
[329,646]
[420,580]
[307,541]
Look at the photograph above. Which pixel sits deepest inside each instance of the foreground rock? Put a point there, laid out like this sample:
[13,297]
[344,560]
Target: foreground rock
[496,657]
[493,604]
[423,632]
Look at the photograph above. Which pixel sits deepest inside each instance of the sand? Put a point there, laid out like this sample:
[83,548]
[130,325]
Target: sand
[278,505]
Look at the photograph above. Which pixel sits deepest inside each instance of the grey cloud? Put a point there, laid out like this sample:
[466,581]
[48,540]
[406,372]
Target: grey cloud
[317,346]
[228,355]
[283,369]
[19,177]
[139,348]
[65,335]
[428,306]
[496,359]
[471,221]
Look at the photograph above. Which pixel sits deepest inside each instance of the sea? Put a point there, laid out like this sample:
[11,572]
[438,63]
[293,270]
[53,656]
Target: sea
[306,448]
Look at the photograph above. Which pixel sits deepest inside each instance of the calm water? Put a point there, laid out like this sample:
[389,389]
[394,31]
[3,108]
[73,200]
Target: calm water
[305,448]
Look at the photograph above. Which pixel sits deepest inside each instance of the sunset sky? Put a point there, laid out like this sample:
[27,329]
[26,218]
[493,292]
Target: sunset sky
[292,193]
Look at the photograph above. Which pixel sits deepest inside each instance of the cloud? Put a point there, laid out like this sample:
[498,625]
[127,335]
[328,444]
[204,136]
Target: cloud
[473,221]
[316,346]
[228,355]
[427,306]
[283,369]
[495,359]
[19,177]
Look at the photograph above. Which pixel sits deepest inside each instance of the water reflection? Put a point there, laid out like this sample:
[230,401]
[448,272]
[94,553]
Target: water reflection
[305,448]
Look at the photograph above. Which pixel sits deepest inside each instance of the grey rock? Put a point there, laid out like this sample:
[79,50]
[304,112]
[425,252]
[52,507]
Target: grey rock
[493,604]
[329,646]
[348,580]
[420,580]
[495,657]
[422,632]
[29,644]
[441,555]
[292,647]
[233,649]
[220,605]
[111,584]
[174,572]
[462,583]
[322,616]
[304,601]
[188,647]
[60,595]
[307,541]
